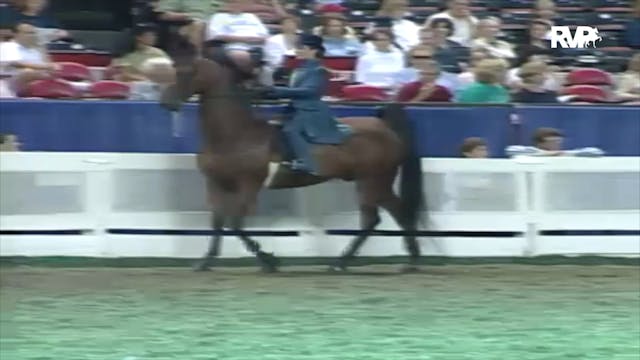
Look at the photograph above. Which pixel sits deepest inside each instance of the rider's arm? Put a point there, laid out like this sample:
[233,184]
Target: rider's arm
[309,89]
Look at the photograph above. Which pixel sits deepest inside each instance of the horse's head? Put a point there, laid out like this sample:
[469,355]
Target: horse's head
[192,76]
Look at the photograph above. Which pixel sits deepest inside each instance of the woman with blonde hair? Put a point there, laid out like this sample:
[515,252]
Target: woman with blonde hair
[486,38]
[629,82]
[487,88]
[337,39]
[533,75]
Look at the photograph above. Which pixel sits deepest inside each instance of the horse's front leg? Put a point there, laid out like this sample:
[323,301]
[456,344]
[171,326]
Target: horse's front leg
[267,261]
[217,224]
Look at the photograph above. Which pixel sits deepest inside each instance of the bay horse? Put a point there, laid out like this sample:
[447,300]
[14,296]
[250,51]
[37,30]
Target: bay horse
[239,157]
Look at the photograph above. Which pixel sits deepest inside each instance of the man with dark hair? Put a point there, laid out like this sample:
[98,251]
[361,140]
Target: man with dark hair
[548,142]
[474,148]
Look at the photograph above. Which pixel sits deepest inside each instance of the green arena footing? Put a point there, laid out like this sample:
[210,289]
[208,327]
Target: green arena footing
[140,262]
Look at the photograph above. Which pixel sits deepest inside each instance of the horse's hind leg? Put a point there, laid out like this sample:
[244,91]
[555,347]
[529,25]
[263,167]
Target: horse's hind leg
[393,205]
[217,224]
[369,219]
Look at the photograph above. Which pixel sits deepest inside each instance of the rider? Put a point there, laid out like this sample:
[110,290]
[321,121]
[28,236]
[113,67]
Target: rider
[311,121]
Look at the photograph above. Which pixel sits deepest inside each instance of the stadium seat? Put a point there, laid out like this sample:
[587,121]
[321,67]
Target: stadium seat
[50,89]
[108,89]
[73,72]
[589,76]
[364,93]
[589,93]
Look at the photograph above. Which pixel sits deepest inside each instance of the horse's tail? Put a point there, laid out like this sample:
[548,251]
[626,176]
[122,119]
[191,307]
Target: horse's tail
[411,186]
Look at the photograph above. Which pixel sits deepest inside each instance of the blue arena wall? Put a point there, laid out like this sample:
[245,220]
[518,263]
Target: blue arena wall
[124,126]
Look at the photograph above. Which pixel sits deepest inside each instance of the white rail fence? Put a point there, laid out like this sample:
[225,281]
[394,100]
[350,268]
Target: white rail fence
[154,205]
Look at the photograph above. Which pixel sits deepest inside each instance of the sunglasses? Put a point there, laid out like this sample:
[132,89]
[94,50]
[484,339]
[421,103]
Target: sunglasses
[422,57]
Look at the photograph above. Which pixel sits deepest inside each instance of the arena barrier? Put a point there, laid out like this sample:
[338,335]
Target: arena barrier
[144,127]
[153,205]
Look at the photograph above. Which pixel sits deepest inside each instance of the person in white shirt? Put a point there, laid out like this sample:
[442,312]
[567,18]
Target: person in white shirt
[23,60]
[279,46]
[406,32]
[380,66]
[239,32]
[460,15]
[385,24]
[487,31]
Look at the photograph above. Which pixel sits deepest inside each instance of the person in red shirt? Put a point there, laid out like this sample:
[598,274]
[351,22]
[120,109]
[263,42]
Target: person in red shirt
[425,89]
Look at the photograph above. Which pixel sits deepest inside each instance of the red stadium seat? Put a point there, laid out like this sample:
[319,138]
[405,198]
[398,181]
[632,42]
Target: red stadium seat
[50,89]
[590,93]
[108,89]
[343,63]
[589,76]
[364,93]
[73,72]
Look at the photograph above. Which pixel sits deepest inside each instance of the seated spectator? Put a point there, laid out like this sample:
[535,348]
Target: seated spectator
[487,32]
[632,28]
[533,75]
[629,82]
[279,46]
[426,88]
[474,148]
[448,53]
[240,31]
[380,66]
[33,12]
[130,66]
[163,14]
[269,11]
[459,13]
[419,57]
[548,142]
[538,30]
[383,24]
[551,83]
[405,32]
[476,56]
[487,88]
[336,39]
[332,11]
[545,10]
[23,60]
[9,142]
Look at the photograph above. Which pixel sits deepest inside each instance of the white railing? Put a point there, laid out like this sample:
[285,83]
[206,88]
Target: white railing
[97,193]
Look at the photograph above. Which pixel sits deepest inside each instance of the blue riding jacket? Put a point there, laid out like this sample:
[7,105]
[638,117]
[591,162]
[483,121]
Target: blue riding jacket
[312,117]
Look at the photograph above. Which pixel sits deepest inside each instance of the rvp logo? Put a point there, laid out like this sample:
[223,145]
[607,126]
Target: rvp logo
[584,37]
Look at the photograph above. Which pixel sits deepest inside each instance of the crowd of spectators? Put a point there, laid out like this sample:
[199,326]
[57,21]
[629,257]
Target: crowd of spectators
[459,54]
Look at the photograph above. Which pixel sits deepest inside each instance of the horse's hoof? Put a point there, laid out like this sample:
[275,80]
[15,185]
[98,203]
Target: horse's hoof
[410,269]
[201,266]
[268,263]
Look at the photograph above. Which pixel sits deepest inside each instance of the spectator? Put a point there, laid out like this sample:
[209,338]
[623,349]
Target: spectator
[380,66]
[533,75]
[33,12]
[629,82]
[332,11]
[551,83]
[337,40]
[487,32]
[548,142]
[474,148]
[384,24]
[405,32]
[9,142]
[448,53]
[239,30]
[487,87]
[426,88]
[269,11]
[163,14]
[23,59]
[459,14]
[538,30]
[545,10]
[477,55]
[419,57]
[278,47]
[632,28]
[130,67]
